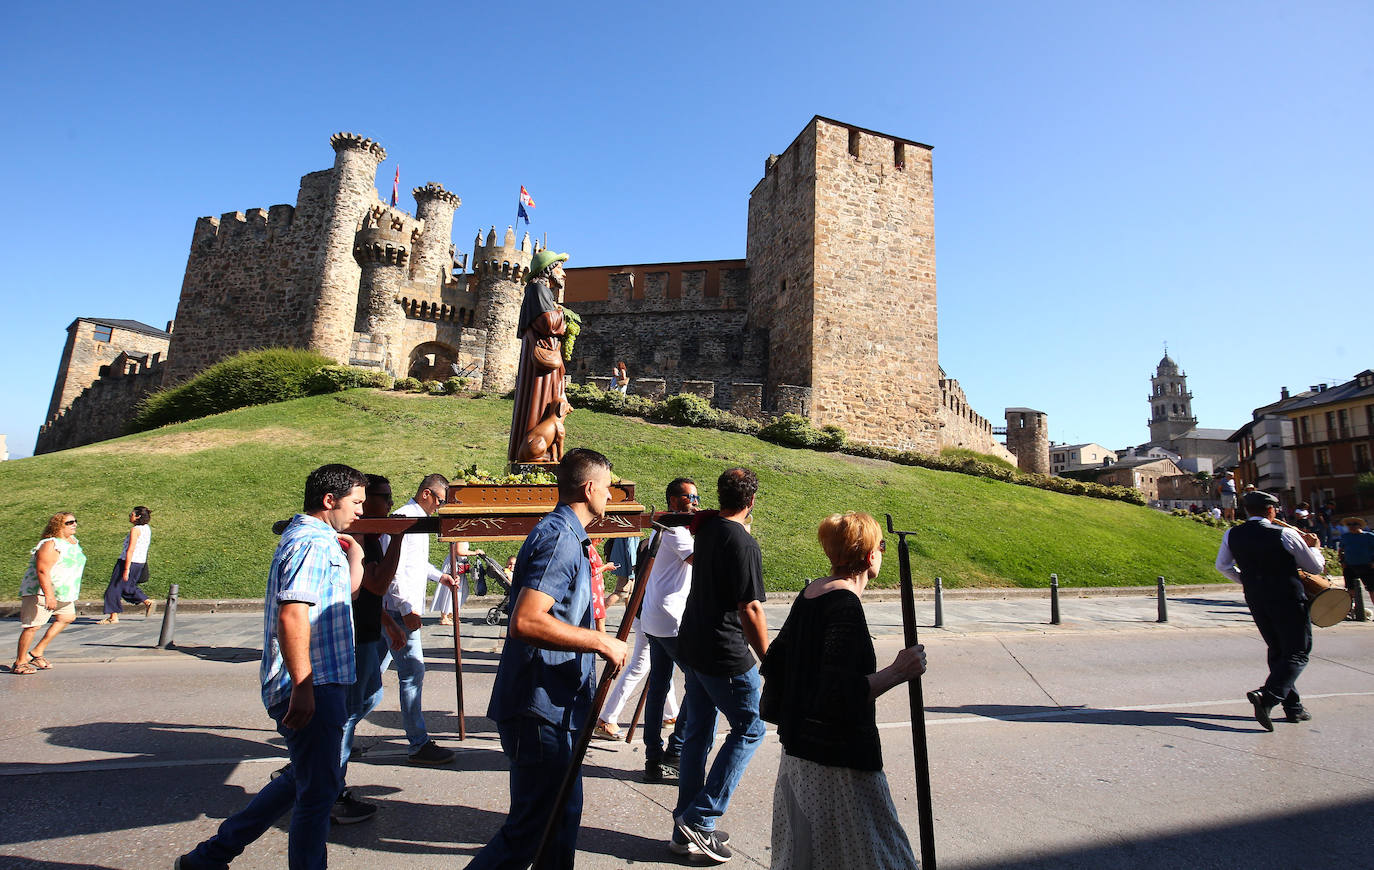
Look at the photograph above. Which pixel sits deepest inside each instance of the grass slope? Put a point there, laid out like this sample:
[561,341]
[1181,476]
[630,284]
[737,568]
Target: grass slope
[216,484]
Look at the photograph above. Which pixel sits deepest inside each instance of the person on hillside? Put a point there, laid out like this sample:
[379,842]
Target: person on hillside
[544,683]
[541,327]
[620,378]
[1227,490]
[131,569]
[1356,550]
[831,805]
[642,659]
[48,591]
[307,667]
[404,602]
[722,620]
[1264,557]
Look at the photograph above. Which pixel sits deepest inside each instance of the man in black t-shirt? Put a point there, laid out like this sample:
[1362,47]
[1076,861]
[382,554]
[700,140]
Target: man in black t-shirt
[722,620]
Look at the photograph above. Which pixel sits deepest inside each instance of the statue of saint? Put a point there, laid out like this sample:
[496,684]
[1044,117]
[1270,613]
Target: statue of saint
[536,429]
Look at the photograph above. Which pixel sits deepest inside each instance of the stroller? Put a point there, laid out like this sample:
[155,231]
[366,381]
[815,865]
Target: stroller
[493,571]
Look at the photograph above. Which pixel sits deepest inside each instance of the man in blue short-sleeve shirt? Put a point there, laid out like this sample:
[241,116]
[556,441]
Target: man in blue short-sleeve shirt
[307,668]
[544,683]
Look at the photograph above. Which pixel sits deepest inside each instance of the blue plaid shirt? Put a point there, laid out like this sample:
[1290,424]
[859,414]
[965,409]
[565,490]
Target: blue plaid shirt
[552,685]
[311,568]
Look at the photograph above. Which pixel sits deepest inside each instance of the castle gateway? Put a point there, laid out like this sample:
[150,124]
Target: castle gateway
[832,313]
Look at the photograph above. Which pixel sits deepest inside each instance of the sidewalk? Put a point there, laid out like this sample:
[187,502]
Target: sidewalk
[232,630]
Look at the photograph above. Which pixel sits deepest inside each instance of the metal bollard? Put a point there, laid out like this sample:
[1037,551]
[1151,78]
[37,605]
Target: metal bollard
[169,620]
[939,603]
[1054,599]
[1163,603]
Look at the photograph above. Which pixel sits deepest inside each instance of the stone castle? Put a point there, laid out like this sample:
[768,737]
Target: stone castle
[832,314]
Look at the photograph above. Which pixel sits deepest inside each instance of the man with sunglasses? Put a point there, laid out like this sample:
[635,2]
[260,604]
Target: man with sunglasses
[404,602]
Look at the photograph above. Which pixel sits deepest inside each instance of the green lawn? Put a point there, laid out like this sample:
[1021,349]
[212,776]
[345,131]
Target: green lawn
[215,485]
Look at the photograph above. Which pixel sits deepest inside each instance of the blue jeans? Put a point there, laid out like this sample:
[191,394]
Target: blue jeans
[662,659]
[410,674]
[364,695]
[539,754]
[311,783]
[703,798]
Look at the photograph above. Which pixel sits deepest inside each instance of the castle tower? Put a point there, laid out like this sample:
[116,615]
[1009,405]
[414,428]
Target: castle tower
[432,263]
[382,249]
[841,253]
[1028,436]
[353,189]
[501,272]
[1171,405]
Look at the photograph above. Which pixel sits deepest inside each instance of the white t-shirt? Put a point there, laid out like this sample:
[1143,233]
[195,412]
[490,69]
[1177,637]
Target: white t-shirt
[140,554]
[669,582]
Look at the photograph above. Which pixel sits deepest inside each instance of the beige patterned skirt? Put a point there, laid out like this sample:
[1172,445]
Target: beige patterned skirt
[827,817]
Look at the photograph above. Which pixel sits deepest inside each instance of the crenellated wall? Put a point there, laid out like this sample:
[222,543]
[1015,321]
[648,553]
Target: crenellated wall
[102,411]
[961,426]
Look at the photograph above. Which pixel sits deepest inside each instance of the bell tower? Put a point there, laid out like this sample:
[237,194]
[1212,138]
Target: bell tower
[1171,405]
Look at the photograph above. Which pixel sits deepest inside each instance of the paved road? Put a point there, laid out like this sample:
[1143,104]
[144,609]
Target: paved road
[1109,741]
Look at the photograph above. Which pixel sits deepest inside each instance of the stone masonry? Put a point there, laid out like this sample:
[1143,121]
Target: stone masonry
[1028,436]
[831,315]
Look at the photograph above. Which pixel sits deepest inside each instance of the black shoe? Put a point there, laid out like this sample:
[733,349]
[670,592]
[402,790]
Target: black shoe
[432,754]
[281,771]
[1297,714]
[189,862]
[704,844]
[348,810]
[1262,706]
[358,751]
[660,771]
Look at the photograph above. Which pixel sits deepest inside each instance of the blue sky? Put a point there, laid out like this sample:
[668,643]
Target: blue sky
[1108,176]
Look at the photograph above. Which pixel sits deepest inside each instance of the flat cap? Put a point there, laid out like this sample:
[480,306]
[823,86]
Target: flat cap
[1258,501]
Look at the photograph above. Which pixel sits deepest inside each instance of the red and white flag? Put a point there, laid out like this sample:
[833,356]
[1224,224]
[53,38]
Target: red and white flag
[396,185]
[525,198]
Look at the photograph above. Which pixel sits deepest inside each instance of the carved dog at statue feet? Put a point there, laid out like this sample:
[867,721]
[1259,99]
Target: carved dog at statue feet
[546,437]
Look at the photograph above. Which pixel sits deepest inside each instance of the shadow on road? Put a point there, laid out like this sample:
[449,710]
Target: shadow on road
[1102,716]
[1326,836]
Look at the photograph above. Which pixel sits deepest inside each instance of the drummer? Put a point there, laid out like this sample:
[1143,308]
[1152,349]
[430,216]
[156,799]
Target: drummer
[1263,556]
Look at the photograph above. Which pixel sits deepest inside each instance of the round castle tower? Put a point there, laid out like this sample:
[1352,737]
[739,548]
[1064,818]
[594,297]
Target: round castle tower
[355,183]
[382,248]
[432,263]
[501,272]
[1028,436]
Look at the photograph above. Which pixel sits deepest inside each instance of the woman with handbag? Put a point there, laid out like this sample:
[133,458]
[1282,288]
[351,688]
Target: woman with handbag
[831,805]
[131,569]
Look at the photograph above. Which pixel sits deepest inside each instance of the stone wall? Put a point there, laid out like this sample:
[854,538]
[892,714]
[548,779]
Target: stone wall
[102,411]
[961,426]
[1028,436]
[83,356]
[689,338]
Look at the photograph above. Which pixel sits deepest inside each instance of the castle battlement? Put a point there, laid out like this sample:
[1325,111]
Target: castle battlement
[434,191]
[257,224]
[505,261]
[353,142]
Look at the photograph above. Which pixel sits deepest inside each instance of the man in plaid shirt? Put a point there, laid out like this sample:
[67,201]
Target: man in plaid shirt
[307,667]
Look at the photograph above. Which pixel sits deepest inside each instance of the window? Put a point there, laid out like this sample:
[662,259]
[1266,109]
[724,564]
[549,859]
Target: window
[1323,461]
[1330,425]
[103,333]
[853,143]
[1344,417]
[1362,457]
[899,154]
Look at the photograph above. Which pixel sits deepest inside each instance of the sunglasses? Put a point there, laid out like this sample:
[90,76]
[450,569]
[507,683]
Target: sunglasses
[69,522]
[882,546]
[694,499]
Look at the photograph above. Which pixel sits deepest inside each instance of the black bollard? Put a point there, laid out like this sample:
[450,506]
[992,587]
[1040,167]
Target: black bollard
[169,620]
[939,603]
[1054,599]
[1353,587]
[1163,603]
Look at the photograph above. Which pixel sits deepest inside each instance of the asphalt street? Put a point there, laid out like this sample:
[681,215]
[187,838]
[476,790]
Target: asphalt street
[1107,741]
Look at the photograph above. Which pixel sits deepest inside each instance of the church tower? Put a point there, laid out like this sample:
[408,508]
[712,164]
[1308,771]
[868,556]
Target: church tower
[1171,405]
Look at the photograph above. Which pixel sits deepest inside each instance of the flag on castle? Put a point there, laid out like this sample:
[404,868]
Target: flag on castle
[396,185]
[525,200]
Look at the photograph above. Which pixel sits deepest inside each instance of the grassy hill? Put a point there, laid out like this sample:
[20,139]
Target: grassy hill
[216,484]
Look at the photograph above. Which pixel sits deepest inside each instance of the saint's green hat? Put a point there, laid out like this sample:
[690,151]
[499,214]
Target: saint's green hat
[543,260]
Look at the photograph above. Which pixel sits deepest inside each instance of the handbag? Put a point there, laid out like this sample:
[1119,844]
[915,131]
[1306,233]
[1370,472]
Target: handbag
[548,357]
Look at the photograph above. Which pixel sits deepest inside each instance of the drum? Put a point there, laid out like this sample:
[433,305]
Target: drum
[1329,606]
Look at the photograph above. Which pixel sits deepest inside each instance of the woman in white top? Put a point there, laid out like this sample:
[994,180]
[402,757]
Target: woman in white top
[131,569]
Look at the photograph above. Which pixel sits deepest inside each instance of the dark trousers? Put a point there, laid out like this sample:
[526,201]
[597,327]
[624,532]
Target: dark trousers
[539,754]
[1287,631]
[1356,573]
[662,654]
[127,590]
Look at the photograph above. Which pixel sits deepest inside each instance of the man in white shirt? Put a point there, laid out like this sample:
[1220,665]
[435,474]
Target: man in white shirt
[405,601]
[665,596]
[1264,556]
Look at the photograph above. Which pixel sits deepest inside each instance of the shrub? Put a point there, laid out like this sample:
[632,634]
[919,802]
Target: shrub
[966,453]
[250,378]
[332,379]
[433,388]
[794,430]
[687,410]
[406,385]
[455,385]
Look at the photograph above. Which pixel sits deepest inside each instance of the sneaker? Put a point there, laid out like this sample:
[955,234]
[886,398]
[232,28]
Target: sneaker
[660,771]
[281,771]
[431,753]
[348,810]
[708,843]
[680,845]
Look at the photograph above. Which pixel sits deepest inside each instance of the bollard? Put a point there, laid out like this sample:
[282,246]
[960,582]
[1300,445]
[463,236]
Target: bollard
[939,603]
[169,620]
[1163,603]
[1054,599]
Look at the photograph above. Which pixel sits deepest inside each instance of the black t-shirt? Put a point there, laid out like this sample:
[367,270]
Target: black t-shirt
[367,607]
[727,571]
